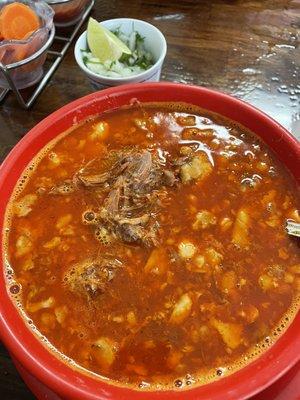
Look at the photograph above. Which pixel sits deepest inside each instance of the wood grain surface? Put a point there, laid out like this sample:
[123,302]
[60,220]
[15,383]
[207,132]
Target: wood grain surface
[249,49]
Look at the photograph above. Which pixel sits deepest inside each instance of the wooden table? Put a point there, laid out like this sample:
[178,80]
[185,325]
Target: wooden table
[249,49]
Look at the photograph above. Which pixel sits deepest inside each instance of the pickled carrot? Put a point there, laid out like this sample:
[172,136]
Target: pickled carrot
[17,20]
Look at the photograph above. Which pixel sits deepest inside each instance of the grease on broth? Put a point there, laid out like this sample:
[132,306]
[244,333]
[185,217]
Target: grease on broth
[148,246]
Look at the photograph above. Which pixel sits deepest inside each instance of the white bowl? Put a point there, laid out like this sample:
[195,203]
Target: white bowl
[155,43]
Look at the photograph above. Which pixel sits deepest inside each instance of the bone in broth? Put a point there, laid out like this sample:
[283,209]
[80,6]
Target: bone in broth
[147,246]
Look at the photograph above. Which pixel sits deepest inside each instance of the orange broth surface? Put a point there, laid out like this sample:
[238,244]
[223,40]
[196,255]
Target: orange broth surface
[213,286]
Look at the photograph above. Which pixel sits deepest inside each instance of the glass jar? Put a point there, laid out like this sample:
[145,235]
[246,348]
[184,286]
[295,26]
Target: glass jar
[23,60]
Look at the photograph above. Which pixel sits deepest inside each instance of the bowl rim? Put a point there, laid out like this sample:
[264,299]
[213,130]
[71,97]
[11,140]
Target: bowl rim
[55,374]
[122,79]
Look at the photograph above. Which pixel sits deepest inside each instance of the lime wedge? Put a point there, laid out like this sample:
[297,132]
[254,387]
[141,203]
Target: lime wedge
[103,43]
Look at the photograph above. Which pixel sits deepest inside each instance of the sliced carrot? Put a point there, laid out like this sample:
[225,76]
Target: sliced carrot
[21,51]
[17,20]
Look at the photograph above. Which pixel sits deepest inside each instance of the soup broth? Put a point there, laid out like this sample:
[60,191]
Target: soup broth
[147,245]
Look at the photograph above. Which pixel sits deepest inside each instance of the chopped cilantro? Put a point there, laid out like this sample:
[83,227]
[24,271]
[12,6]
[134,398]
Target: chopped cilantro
[125,58]
[139,38]
[143,62]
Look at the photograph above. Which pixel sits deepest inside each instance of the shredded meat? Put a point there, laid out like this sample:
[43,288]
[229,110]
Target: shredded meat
[131,233]
[92,180]
[90,277]
[104,171]
[135,185]
[142,171]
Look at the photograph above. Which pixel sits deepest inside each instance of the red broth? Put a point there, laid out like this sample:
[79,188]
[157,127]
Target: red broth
[148,246]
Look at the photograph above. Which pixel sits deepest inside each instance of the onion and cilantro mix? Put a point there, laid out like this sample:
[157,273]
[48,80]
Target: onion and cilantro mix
[128,64]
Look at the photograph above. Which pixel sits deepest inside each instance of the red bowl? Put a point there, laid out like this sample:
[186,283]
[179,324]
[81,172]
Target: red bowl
[33,358]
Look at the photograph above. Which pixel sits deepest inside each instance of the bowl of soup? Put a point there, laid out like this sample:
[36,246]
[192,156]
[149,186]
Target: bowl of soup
[144,251]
